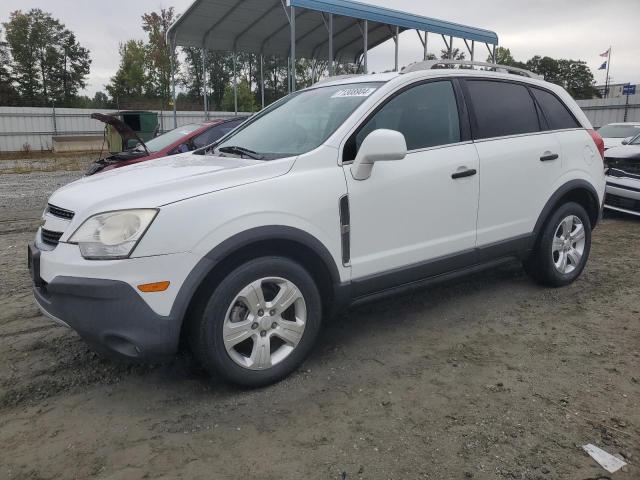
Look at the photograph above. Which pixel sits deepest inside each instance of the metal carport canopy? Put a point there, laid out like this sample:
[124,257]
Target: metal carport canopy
[338,30]
[263,27]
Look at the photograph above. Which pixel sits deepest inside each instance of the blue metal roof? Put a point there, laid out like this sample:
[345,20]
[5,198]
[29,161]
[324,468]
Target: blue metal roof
[349,8]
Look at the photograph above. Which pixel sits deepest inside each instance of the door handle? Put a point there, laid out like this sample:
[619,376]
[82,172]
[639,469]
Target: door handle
[470,172]
[548,157]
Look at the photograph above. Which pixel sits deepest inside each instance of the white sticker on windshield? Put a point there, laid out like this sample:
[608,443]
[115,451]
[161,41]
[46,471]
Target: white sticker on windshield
[354,92]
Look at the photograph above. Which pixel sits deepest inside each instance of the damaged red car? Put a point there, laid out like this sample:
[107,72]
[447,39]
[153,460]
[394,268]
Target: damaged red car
[180,140]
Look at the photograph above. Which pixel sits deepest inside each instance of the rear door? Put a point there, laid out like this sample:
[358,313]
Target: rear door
[519,162]
[424,207]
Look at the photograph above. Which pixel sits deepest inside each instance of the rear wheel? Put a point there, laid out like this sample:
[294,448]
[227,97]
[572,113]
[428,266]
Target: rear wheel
[260,323]
[562,250]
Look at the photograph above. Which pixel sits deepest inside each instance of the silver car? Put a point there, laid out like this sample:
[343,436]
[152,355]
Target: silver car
[623,177]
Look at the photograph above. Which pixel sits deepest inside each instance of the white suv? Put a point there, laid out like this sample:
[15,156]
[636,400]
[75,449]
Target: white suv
[351,189]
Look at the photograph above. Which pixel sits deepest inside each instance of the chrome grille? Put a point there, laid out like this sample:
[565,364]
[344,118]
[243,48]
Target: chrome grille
[622,202]
[60,212]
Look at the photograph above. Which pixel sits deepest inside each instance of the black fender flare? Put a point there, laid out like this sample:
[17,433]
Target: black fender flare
[568,187]
[243,239]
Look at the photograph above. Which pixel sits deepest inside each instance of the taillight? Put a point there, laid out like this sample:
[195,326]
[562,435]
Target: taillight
[598,141]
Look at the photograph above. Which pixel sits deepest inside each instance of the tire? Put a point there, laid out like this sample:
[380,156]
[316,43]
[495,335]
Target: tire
[255,325]
[546,263]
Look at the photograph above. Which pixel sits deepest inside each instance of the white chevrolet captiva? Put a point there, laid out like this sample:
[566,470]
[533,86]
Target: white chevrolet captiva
[352,189]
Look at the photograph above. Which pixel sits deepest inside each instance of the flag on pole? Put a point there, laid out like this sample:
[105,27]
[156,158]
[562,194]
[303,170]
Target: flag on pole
[603,66]
[605,54]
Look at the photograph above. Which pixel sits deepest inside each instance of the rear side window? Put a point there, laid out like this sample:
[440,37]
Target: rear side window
[557,115]
[502,109]
[427,116]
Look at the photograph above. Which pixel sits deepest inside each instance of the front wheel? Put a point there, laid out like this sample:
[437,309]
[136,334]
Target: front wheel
[260,323]
[562,250]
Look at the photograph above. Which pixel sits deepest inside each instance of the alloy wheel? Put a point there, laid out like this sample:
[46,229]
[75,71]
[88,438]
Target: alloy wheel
[568,244]
[264,323]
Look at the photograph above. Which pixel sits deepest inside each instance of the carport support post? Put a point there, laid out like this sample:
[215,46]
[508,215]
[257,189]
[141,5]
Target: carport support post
[366,46]
[331,69]
[426,39]
[397,40]
[293,48]
[235,84]
[173,83]
[204,83]
[495,59]
[262,78]
[473,49]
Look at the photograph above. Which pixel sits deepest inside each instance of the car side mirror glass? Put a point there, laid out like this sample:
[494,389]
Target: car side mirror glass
[131,143]
[380,145]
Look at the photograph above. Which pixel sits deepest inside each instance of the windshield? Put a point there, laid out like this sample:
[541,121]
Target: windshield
[300,123]
[635,141]
[166,139]
[619,131]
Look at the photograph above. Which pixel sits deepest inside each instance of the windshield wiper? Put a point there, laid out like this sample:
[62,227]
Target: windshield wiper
[235,150]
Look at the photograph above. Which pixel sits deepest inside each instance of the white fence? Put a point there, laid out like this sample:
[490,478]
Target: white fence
[33,127]
[602,111]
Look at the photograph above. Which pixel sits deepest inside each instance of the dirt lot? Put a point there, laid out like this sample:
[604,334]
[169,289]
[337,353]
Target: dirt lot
[491,377]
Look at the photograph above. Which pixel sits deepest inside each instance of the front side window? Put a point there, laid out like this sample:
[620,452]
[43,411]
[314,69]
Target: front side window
[557,115]
[300,123]
[502,109]
[427,116]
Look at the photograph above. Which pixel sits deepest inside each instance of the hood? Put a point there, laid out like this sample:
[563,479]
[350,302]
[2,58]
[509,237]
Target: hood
[624,151]
[163,181]
[612,142]
[124,130]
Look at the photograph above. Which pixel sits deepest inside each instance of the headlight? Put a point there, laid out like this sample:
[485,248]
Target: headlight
[112,235]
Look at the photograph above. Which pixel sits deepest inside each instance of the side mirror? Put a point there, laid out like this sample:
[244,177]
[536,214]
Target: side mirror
[131,143]
[627,141]
[380,145]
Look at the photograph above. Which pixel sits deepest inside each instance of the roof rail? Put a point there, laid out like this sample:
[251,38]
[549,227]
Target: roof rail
[338,77]
[432,64]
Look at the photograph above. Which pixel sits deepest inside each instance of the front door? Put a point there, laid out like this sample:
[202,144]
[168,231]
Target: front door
[411,218]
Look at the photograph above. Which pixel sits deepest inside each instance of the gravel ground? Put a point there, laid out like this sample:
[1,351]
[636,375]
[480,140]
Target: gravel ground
[491,377]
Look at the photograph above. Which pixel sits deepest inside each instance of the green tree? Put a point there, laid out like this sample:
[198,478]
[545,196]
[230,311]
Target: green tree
[74,68]
[246,100]
[100,100]
[190,77]
[504,57]
[8,93]
[48,63]
[547,67]
[219,77]
[456,54]
[577,79]
[158,53]
[131,77]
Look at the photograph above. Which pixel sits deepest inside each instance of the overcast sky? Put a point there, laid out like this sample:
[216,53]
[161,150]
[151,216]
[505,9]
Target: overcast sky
[576,29]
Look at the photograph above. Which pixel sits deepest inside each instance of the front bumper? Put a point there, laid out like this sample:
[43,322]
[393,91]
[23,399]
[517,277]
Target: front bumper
[623,194]
[109,315]
[108,312]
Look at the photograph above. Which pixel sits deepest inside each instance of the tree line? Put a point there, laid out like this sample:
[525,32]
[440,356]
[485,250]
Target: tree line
[43,64]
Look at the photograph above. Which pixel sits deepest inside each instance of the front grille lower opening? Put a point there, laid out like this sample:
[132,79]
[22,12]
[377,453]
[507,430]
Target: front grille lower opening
[50,238]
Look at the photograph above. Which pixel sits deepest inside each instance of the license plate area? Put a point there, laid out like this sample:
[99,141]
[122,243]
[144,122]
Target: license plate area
[33,263]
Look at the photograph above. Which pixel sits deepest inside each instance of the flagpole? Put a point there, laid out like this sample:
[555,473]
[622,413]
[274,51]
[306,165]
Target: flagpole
[606,80]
